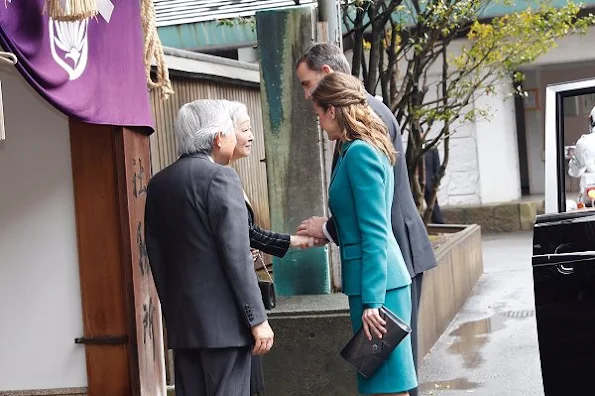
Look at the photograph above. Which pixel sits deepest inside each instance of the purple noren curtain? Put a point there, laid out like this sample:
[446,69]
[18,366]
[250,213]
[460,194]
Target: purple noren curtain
[91,70]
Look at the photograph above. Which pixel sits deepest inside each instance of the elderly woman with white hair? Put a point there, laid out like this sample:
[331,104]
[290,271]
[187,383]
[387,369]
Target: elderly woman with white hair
[197,238]
[269,242]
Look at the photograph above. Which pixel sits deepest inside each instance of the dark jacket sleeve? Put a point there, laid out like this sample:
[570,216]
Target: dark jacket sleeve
[269,242]
[266,241]
[229,222]
[332,230]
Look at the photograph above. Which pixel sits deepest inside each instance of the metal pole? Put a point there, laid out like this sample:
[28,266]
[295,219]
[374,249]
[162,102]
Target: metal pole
[329,12]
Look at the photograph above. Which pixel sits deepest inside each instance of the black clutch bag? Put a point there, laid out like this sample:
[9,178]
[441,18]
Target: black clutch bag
[267,288]
[367,356]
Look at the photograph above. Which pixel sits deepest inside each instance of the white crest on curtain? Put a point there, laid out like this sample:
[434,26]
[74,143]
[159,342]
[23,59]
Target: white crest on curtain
[69,42]
[70,46]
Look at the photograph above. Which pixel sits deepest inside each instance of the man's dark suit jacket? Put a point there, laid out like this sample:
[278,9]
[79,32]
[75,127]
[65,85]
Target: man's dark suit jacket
[196,230]
[408,227]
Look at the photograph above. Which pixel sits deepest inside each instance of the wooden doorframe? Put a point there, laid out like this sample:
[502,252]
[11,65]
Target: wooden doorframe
[111,166]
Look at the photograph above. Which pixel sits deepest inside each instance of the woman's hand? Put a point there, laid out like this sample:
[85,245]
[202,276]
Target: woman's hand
[373,323]
[300,241]
[255,253]
[303,242]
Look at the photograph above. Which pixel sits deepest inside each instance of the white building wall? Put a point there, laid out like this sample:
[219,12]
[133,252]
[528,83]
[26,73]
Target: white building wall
[480,152]
[497,152]
[497,148]
[460,185]
[40,301]
[483,162]
[570,49]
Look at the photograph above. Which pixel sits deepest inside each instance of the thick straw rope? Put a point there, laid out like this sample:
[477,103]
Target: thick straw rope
[83,9]
[154,49]
[75,10]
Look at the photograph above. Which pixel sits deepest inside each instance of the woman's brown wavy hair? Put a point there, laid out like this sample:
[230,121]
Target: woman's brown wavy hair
[356,118]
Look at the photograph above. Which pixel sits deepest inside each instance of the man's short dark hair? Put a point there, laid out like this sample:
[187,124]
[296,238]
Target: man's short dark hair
[319,54]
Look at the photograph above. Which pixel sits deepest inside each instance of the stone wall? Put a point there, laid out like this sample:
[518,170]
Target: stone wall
[502,217]
[460,185]
[446,288]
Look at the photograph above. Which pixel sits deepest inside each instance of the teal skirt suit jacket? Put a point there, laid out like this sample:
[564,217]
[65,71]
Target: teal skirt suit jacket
[374,273]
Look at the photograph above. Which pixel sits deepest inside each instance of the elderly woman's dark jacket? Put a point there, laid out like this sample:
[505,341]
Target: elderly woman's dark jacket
[264,240]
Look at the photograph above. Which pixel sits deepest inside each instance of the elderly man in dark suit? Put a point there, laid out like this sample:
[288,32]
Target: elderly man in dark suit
[196,229]
[408,228]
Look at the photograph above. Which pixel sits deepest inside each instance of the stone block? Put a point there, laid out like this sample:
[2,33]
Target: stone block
[463,156]
[466,199]
[427,332]
[507,217]
[471,252]
[463,183]
[482,215]
[472,214]
[460,275]
[540,207]
[474,254]
[527,212]
[444,295]
[309,333]
[454,215]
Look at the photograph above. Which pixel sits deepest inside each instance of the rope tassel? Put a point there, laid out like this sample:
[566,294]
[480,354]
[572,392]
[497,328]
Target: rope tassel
[71,10]
[154,50]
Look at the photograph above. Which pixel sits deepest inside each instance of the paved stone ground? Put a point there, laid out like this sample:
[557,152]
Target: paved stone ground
[490,349]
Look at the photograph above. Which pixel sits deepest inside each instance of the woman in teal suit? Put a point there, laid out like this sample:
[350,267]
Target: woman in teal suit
[360,199]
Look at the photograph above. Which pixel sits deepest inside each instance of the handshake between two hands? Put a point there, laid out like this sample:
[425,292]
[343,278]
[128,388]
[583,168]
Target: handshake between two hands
[310,233]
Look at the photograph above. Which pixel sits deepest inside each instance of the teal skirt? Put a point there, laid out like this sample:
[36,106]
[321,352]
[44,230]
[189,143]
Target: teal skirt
[397,373]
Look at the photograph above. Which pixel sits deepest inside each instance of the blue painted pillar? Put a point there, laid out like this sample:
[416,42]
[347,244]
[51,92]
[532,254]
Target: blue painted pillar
[293,146]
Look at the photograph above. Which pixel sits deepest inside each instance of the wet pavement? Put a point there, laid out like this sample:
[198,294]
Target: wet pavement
[490,349]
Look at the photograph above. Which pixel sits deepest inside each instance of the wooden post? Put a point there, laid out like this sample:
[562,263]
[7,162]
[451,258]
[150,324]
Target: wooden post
[121,311]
